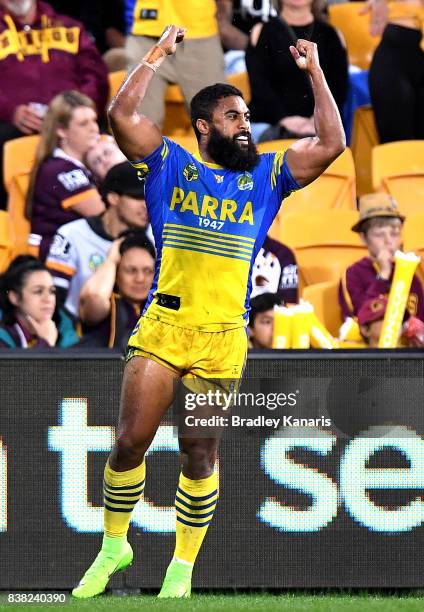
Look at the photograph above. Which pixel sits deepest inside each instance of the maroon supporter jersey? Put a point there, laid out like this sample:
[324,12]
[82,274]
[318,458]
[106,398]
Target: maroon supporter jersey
[62,182]
[361,281]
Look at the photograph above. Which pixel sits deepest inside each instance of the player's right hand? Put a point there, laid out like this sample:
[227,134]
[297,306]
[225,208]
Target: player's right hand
[171,36]
[305,54]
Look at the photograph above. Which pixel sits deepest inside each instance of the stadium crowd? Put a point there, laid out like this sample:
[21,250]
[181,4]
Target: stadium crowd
[85,274]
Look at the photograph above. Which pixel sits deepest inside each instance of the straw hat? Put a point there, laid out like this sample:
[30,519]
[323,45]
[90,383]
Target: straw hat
[375,205]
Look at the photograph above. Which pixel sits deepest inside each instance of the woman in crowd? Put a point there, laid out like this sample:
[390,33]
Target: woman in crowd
[30,317]
[281,93]
[61,187]
[109,316]
[396,74]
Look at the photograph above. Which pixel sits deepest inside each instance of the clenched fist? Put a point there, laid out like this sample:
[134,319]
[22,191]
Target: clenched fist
[171,36]
[305,54]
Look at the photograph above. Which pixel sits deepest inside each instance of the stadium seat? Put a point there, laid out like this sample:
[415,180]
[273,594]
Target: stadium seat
[19,156]
[364,139]
[413,239]
[115,80]
[324,299]
[333,190]
[6,240]
[241,81]
[187,141]
[177,120]
[398,169]
[354,27]
[322,241]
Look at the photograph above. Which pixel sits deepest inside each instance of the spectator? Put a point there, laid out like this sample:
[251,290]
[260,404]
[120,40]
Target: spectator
[103,156]
[281,94]
[30,317]
[112,316]
[61,188]
[380,229]
[198,61]
[370,320]
[399,58]
[236,19]
[275,271]
[81,246]
[261,320]
[43,53]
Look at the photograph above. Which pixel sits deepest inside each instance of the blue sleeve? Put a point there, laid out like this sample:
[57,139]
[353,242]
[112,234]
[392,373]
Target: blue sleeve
[129,14]
[152,166]
[282,181]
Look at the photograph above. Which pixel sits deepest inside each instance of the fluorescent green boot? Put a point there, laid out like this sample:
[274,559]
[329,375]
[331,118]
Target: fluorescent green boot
[177,581]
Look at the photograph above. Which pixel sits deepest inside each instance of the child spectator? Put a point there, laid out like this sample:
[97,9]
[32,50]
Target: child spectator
[109,317]
[261,320]
[30,317]
[61,188]
[81,246]
[103,156]
[380,229]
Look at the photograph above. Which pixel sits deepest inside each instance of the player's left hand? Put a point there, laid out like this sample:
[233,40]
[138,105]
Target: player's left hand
[305,54]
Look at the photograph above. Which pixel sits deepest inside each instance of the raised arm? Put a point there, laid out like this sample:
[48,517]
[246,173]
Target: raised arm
[135,134]
[309,157]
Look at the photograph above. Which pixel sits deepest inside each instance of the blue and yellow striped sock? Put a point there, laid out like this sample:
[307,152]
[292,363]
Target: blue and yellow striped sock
[195,503]
[121,492]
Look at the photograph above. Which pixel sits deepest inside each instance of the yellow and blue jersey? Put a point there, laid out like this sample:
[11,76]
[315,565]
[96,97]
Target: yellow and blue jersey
[208,223]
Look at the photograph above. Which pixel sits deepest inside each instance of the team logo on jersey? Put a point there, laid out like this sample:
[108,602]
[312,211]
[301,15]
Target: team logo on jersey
[219,178]
[245,181]
[95,261]
[191,172]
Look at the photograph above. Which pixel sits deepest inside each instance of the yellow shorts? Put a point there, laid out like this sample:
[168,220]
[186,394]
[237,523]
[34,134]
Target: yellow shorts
[191,353]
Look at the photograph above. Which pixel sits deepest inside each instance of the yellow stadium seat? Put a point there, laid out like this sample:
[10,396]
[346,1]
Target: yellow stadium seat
[324,298]
[6,240]
[398,169]
[333,190]
[241,81]
[413,239]
[19,155]
[177,120]
[323,243]
[187,141]
[115,81]
[364,139]
[355,29]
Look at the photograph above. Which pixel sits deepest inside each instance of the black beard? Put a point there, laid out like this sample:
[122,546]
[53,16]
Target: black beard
[226,152]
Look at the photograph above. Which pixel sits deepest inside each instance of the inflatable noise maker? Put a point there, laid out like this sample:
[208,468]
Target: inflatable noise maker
[298,327]
[405,266]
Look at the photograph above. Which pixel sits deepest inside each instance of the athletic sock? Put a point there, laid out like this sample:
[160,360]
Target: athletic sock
[195,503]
[121,492]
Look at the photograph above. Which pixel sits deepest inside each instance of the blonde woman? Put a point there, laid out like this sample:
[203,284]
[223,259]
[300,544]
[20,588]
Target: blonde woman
[61,187]
[396,74]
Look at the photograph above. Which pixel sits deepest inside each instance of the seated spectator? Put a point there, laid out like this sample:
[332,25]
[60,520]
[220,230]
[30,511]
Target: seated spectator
[275,271]
[281,93]
[30,317]
[61,188]
[43,53]
[370,320]
[380,229]
[108,317]
[81,246]
[261,320]
[103,156]
[236,19]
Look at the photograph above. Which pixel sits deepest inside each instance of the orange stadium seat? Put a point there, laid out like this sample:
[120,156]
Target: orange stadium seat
[323,243]
[177,120]
[115,80]
[19,156]
[187,141]
[354,27]
[241,81]
[324,299]
[398,169]
[364,139]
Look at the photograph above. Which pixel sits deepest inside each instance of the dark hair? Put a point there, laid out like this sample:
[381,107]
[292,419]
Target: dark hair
[262,303]
[205,101]
[14,280]
[137,240]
